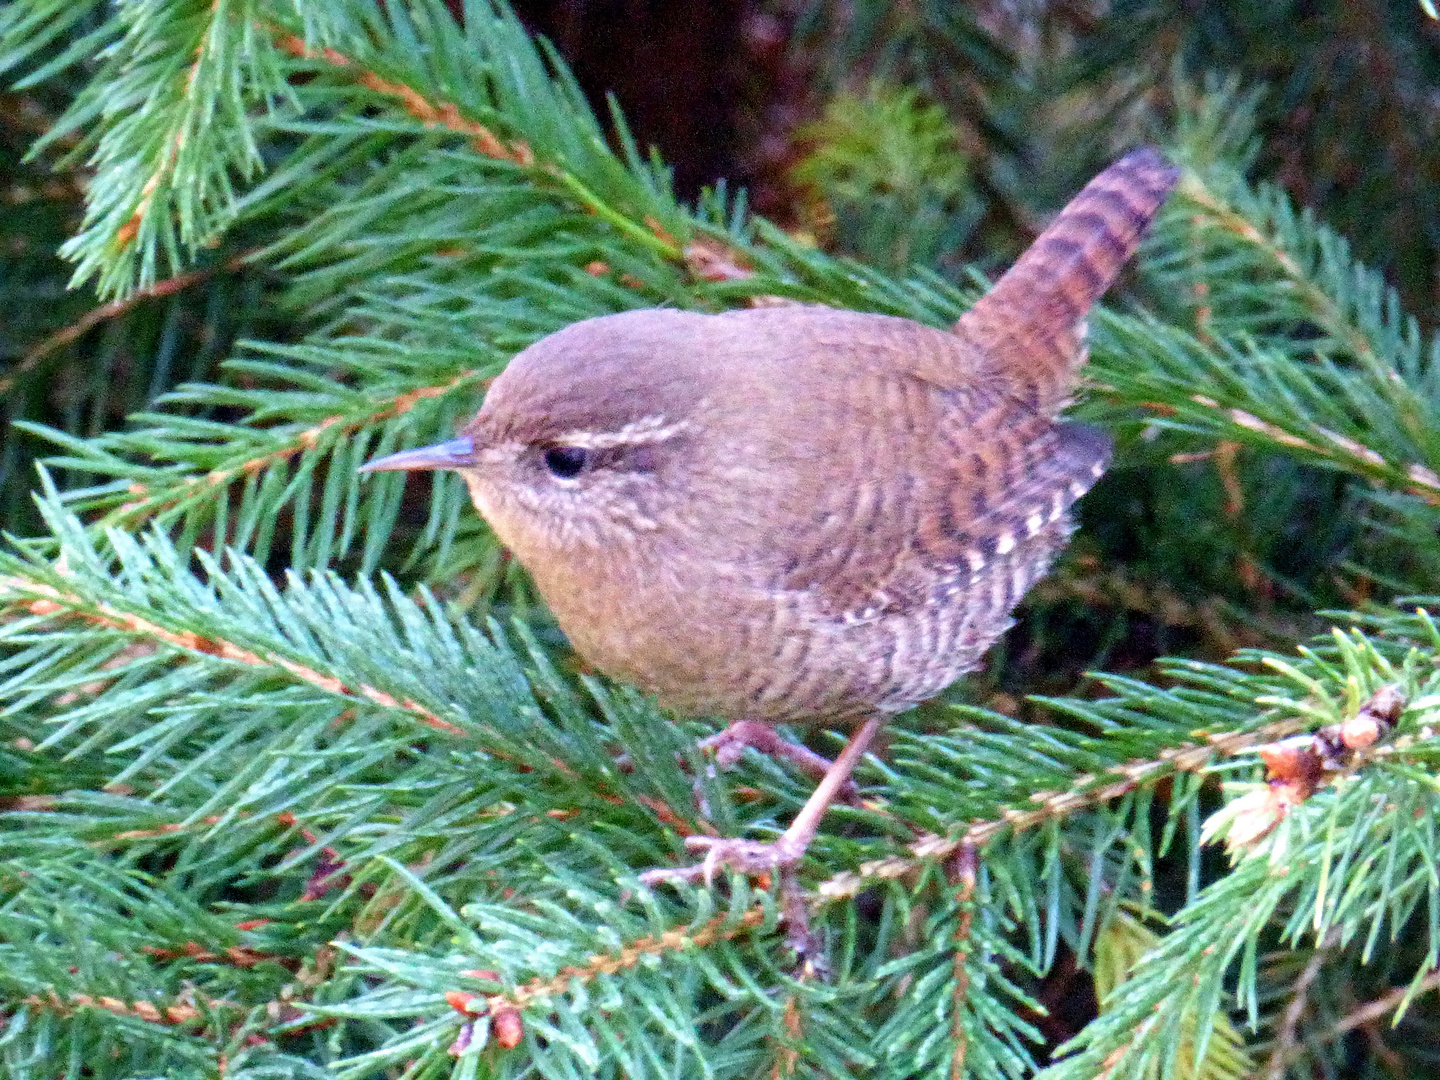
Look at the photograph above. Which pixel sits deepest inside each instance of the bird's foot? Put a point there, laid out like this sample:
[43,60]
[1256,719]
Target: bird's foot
[746,856]
[753,857]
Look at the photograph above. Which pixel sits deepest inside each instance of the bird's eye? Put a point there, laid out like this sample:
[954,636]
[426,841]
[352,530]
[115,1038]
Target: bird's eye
[566,462]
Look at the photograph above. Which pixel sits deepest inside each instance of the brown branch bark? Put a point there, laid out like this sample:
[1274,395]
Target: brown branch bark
[1088,791]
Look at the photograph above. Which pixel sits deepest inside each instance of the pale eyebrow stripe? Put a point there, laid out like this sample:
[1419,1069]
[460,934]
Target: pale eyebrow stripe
[651,429]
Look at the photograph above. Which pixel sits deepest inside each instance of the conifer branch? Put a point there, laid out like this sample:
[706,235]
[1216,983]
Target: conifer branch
[331,429]
[442,114]
[174,140]
[116,308]
[725,927]
[45,600]
[1319,304]
[1089,792]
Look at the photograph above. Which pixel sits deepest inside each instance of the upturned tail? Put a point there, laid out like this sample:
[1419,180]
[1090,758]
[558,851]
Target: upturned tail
[1030,326]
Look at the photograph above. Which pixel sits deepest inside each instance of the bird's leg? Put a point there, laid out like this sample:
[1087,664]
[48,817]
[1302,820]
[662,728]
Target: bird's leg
[751,856]
[731,743]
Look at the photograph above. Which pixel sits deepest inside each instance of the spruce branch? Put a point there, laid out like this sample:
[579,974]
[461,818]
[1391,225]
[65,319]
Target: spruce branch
[1296,346]
[172,98]
[1079,831]
[435,114]
[143,506]
[1312,871]
[1125,940]
[725,927]
[1114,772]
[95,316]
[44,600]
[1364,423]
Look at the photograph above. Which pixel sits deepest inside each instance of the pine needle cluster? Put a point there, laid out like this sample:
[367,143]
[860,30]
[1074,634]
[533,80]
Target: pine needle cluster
[300,781]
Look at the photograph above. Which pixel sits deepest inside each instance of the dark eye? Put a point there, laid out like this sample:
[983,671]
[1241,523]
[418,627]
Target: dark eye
[566,461]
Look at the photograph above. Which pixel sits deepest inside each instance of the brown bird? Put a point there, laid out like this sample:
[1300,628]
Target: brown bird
[801,514]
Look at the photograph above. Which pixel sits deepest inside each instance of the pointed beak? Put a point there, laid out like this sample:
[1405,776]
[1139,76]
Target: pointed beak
[455,454]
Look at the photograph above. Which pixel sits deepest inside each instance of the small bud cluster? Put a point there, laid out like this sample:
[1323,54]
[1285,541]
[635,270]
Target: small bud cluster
[1296,767]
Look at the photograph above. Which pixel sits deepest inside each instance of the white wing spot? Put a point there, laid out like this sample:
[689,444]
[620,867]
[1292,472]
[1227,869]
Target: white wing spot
[1057,507]
[1097,470]
[1006,543]
[1077,489]
[976,560]
[997,593]
[1033,523]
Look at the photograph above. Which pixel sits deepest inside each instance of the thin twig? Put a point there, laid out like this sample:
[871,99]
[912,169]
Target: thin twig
[964,871]
[67,335]
[1089,791]
[1286,1041]
[1366,1014]
[1386,1003]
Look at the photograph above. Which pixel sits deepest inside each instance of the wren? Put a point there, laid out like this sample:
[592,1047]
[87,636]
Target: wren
[799,514]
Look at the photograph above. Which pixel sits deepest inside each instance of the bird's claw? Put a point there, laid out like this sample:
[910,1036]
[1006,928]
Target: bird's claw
[749,857]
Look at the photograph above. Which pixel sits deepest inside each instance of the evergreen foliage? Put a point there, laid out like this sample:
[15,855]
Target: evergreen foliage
[299,781]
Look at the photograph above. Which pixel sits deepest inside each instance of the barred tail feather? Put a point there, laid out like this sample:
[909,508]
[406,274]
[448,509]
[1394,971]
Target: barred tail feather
[1030,325]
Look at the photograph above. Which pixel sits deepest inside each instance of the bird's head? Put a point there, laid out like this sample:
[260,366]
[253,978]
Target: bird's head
[590,438]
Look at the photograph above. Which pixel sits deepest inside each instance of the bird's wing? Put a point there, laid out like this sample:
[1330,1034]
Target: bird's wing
[988,469]
[976,480]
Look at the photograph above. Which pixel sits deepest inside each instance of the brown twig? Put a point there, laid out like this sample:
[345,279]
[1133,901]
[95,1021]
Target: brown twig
[126,234]
[1365,1015]
[232,955]
[1423,481]
[1285,1044]
[168,829]
[176,1015]
[707,259]
[537,990]
[1328,315]
[964,872]
[1382,1005]
[432,114]
[1088,791]
[67,335]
